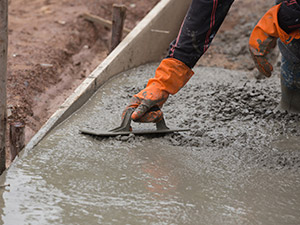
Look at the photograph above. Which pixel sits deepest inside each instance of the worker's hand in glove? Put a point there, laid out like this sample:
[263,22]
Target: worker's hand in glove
[263,39]
[263,65]
[170,76]
[260,60]
[147,104]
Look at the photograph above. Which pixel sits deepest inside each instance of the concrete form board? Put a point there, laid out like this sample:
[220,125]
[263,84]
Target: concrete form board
[144,44]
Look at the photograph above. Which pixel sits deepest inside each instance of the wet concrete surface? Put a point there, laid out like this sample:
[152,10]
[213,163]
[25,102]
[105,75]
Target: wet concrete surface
[239,164]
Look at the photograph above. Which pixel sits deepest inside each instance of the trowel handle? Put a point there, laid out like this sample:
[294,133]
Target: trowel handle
[161,125]
[151,115]
[126,122]
[154,108]
[125,125]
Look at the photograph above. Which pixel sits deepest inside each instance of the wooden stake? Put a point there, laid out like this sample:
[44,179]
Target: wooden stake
[119,14]
[16,139]
[3,68]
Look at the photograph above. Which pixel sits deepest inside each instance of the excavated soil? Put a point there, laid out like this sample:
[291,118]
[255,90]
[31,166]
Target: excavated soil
[52,49]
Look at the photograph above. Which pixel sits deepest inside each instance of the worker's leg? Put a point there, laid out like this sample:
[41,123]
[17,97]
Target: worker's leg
[199,27]
[290,86]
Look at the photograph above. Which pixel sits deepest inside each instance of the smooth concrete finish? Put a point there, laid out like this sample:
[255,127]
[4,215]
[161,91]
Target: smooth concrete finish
[147,42]
[239,165]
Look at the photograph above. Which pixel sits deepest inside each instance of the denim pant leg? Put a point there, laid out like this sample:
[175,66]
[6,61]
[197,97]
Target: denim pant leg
[290,85]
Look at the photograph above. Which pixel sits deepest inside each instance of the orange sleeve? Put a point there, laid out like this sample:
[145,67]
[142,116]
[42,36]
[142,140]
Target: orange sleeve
[267,29]
[171,75]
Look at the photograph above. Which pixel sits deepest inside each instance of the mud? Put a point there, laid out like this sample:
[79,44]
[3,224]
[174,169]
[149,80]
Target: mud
[239,164]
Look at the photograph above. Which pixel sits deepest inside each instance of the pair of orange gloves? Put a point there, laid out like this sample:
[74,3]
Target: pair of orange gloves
[172,74]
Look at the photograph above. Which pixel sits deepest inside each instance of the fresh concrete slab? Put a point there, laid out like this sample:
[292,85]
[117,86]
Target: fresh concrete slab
[239,164]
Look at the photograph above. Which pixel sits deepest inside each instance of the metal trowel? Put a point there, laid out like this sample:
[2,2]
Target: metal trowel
[125,128]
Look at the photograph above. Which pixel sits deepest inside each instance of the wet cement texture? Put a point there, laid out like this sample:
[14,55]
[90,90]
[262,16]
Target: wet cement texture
[239,164]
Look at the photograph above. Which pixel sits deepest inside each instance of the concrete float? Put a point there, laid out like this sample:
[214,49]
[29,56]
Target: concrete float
[146,43]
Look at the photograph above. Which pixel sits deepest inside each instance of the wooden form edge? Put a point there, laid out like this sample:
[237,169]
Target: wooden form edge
[144,44]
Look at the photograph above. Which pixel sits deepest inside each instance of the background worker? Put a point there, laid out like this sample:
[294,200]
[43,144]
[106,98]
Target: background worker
[198,29]
[281,22]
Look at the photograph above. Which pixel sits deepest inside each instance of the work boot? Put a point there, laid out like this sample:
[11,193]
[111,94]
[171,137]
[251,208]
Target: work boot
[290,87]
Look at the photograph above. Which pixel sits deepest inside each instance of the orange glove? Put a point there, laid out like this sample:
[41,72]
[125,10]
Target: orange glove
[263,39]
[170,76]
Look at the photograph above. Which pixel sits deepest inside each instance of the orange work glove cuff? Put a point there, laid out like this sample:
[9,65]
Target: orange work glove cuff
[170,76]
[267,30]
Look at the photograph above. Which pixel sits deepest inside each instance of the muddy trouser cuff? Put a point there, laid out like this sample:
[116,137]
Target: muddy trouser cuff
[198,29]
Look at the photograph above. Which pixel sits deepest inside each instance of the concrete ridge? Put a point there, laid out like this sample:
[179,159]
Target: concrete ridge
[158,28]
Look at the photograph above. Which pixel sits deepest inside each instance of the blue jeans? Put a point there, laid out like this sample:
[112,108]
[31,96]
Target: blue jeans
[290,74]
[290,85]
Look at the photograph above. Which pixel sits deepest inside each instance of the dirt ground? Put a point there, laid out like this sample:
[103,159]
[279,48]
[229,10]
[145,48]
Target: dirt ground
[52,49]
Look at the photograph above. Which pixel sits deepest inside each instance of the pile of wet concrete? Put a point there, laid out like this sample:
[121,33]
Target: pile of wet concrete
[239,164]
[231,113]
